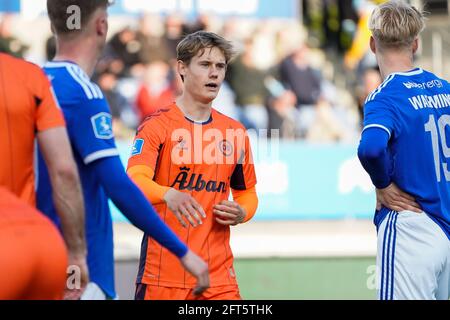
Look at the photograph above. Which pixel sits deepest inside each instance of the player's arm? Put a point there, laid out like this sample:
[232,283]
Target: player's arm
[133,204]
[183,205]
[242,183]
[148,144]
[373,155]
[67,196]
[240,210]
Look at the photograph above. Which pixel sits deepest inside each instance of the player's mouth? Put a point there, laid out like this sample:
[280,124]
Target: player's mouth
[212,85]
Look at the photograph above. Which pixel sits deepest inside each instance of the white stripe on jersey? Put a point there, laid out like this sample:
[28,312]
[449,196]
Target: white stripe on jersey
[410,73]
[101,154]
[378,90]
[86,89]
[377,126]
[388,79]
[93,87]
[91,90]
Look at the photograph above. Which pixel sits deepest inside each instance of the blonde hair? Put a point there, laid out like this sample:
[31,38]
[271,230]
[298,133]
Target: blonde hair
[396,24]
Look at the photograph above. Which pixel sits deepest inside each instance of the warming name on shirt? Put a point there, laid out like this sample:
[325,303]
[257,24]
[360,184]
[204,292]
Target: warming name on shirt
[435,101]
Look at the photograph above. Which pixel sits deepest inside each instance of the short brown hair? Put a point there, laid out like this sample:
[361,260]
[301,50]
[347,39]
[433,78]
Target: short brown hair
[57,12]
[198,41]
[395,24]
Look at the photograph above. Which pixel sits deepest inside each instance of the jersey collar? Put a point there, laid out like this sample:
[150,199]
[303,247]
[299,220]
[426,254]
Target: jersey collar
[412,72]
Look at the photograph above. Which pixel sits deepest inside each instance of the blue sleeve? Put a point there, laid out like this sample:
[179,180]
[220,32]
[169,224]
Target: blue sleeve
[378,114]
[132,203]
[90,129]
[373,154]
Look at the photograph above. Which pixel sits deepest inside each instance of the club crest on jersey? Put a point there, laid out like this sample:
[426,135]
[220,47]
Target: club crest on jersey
[226,148]
[102,125]
[137,147]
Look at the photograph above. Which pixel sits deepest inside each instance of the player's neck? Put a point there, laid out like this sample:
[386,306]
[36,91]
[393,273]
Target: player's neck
[392,63]
[82,55]
[194,110]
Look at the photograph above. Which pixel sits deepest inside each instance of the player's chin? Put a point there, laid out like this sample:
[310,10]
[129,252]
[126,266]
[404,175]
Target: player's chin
[208,97]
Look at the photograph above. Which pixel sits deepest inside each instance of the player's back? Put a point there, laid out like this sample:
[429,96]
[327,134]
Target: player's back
[26,106]
[89,128]
[414,108]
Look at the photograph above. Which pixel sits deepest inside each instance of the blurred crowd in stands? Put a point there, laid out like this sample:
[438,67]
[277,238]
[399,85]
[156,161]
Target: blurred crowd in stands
[286,75]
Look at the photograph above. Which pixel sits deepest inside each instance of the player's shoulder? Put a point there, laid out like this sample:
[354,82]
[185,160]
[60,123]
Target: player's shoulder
[70,78]
[222,119]
[158,120]
[26,71]
[384,90]
[15,62]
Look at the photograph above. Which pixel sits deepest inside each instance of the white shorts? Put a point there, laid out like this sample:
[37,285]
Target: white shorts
[413,258]
[94,292]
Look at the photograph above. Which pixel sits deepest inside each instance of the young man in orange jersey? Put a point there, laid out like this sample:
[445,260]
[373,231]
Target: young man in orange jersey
[186,157]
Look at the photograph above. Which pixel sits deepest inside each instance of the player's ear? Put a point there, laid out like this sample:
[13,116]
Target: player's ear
[415,45]
[181,68]
[101,24]
[372,44]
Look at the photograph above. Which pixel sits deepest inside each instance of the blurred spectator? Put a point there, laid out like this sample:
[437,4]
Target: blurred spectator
[283,113]
[173,33]
[153,46]
[156,90]
[359,57]
[371,79]
[50,48]
[247,82]
[202,22]
[297,75]
[122,112]
[8,42]
[123,52]
[325,126]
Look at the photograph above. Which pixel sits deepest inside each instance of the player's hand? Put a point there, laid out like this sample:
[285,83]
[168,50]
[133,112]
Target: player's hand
[199,269]
[395,199]
[229,213]
[82,274]
[184,205]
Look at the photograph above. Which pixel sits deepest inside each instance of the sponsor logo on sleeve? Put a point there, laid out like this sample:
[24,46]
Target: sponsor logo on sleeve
[102,125]
[137,147]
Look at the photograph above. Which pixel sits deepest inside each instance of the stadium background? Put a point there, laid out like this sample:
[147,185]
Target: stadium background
[312,236]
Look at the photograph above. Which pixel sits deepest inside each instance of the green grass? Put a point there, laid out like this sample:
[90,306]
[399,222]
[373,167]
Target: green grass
[305,278]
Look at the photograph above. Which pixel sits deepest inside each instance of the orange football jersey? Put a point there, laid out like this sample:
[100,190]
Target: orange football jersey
[27,105]
[204,160]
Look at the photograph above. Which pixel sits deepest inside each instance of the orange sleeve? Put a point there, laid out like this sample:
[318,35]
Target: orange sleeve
[243,176]
[142,176]
[49,114]
[248,200]
[147,144]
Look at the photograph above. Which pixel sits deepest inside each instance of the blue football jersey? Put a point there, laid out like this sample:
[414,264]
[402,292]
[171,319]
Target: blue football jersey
[89,125]
[414,109]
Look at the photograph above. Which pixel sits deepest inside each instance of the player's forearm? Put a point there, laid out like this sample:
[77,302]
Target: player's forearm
[133,204]
[68,200]
[248,200]
[372,152]
[142,176]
